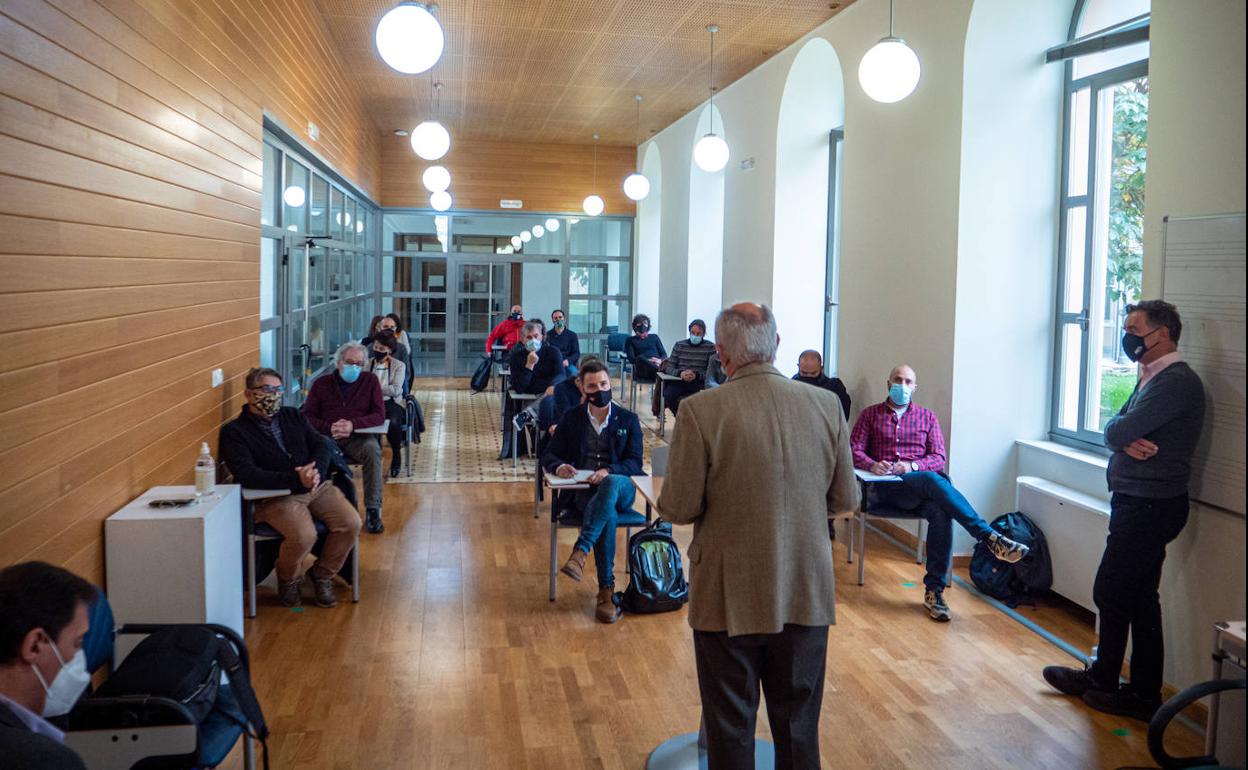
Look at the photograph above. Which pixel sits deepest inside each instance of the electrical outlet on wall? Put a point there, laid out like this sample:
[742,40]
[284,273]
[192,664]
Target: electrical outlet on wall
[218,377]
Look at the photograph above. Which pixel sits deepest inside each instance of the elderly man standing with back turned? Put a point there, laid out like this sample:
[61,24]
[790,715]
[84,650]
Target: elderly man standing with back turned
[1153,437]
[756,466]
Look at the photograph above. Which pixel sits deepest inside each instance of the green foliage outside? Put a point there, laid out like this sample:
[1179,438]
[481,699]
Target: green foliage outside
[1115,390]
[1126,199]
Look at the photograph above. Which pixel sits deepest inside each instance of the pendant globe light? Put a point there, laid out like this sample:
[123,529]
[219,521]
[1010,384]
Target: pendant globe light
[711,151]
[430,139]
[636,186]
[440,201]
[436,178]
[889,71]
[409,38]
[593,204]
[552,225]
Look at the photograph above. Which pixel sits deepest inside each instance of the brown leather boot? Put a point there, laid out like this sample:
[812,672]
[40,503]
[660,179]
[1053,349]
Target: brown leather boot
[323,588]
[607,610]
[575,566]
[290,593]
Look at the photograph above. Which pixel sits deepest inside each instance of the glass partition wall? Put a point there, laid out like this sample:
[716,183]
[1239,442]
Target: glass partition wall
[453,277]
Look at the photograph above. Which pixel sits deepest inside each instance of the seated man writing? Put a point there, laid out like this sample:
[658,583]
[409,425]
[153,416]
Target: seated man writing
[44,617]
[604,438]
[269,446]
[689,361]
[898,437]
[342,402]
[810,371]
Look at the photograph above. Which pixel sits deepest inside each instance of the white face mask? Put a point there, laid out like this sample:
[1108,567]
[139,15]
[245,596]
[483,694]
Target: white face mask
[67,685]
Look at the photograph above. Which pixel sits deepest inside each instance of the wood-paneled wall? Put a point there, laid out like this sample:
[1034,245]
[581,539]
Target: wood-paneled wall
[547,177]
[130,185]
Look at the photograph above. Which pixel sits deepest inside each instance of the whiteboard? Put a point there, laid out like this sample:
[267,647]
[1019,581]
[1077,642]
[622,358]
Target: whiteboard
[1204,278]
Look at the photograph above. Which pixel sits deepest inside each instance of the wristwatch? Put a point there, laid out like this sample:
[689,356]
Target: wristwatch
[914,466]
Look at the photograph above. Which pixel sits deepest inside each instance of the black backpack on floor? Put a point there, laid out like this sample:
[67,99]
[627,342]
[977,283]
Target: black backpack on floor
[657,579]
[184,663]
[481,377]
[1012,583]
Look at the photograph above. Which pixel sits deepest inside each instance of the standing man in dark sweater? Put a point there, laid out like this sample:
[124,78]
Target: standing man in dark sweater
[564,340]
[338,405]
[688,361]
[1153,438]
[810,371]
[269,446]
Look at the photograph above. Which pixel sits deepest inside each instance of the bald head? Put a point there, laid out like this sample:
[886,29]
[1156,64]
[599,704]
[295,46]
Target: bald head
[809,364]
[902,374]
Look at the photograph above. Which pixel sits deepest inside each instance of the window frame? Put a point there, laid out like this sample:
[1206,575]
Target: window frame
[832,257]
[1081,436]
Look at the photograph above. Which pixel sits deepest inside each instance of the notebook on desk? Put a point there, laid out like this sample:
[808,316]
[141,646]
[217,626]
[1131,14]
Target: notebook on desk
[580,477]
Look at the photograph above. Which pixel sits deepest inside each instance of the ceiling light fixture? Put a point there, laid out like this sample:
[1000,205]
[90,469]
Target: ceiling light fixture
[436,178]
[889,71]
[526,236]
[294,196]
[593,204]
[409,37]
[636,186]
[430,139]
[711,151]
[516,242]
[552,225]
[538,231]
[440,201]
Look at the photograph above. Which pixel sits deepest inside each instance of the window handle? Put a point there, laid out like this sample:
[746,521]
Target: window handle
[1083,320]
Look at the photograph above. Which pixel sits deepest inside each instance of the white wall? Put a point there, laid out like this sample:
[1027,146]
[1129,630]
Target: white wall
[706,234]
[1196,166]
[812,105]
[1007,245]
[649,234]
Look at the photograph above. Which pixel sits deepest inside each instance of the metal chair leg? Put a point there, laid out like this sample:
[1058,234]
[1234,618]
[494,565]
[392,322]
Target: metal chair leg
[251,576]
[355,571]
[249,752]
[862,548]
[554,545]
[920,549]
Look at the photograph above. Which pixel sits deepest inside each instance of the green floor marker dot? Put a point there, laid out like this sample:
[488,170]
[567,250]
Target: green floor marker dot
[1121,732]
[296,609]
[907,585]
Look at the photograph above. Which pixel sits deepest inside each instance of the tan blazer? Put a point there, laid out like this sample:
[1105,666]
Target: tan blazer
[756,466]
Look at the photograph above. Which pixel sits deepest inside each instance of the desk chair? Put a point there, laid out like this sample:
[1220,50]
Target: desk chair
[878,511]
[658,460]
[125,731]
[616,357]
[564,514]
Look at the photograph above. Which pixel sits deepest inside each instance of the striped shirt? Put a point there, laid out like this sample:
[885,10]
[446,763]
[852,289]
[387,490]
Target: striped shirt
[881,435]
[686,355]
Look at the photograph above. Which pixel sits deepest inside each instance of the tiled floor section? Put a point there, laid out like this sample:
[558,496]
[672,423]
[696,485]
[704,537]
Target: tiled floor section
[463,436]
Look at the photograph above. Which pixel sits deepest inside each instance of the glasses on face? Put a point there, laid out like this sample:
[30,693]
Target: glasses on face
[270,389]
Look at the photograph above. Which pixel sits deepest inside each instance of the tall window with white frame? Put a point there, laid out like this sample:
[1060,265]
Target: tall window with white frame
[1105,147]
[831,289]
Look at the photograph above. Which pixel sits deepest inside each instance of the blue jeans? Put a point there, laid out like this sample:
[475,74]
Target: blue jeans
[932,497]
[615,495]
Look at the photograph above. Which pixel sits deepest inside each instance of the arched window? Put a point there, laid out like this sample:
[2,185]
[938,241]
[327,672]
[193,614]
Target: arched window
[1101,240]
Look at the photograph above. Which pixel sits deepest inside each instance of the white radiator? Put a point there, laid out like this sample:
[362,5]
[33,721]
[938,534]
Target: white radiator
[1075,525]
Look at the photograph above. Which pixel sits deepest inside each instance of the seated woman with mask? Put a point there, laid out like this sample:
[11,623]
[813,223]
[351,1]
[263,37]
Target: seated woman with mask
[391,373]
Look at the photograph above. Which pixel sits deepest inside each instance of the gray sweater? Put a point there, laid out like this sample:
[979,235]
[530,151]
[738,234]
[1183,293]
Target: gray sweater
[1168,411]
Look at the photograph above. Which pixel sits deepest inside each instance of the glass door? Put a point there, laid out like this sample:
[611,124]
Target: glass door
[483,297]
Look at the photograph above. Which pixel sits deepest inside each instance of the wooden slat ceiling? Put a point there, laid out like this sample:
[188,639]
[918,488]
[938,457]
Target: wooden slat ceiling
[560,70]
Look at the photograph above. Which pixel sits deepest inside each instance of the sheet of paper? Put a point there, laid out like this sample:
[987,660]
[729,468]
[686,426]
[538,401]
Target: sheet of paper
[580,478]
[868,476]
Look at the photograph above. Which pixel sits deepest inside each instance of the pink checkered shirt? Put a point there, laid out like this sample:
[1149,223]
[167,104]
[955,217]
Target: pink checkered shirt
[915,437]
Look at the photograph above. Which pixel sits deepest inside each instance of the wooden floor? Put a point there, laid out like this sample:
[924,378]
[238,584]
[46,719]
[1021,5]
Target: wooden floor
[454,658]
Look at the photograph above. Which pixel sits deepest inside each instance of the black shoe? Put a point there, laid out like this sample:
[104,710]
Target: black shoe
[1123,702]
[1070,681]
[394,468]
[372,521]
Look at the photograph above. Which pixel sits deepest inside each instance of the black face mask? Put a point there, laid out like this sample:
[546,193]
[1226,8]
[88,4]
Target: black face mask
[515,316]
[379,355]
[1134,345]
[804,378]
[641,328]
[600,398]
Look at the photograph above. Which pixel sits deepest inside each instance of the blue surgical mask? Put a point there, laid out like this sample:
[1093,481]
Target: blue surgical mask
[350,372]
[899,394]
[695,339]
[532,345]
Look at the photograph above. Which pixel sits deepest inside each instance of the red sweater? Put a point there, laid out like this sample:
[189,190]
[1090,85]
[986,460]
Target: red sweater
[331,399]
[506,333]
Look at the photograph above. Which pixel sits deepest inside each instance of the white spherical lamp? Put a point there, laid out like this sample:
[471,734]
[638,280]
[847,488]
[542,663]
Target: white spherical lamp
[593,205]
[526,236]
[889,71]
[440,201]
[516,242]
[409,38]
[552,225]
[711,153]
[636,186]
[294,196]
[431,140]
[359,226]
[538,231]
[436,178]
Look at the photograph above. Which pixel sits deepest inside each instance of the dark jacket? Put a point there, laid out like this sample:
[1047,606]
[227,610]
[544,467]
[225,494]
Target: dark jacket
[256,461]
[833,384]
[331,399]
[1170,412]
[636,348]
[26,750]
[546,372]
[552,408]
[567,343]
[626,446]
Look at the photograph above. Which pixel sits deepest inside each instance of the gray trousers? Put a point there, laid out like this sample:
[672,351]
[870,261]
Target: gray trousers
[365,449]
